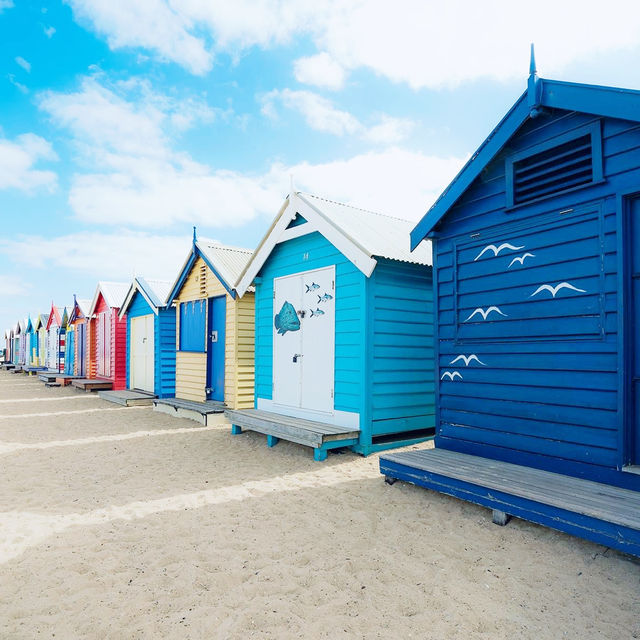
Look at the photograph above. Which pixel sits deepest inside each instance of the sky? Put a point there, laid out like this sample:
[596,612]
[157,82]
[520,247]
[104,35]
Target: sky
[124,124]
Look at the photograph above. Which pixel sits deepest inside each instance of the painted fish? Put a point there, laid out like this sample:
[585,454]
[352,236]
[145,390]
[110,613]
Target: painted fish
[325,298]
[287,319]
[311,287]
[317,312]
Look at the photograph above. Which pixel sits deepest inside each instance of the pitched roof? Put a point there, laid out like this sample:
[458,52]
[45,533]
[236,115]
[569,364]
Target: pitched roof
[359,234]
[226,263]
[155,292]
[593,99]
[113,293]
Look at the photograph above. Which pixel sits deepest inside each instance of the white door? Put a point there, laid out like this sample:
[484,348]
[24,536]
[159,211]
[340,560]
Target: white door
[142,356]
[304,340]
[52,351]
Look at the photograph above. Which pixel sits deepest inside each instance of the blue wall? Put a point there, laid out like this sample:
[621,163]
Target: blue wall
[288,258]
[164,325]
[546,391]
[383,333]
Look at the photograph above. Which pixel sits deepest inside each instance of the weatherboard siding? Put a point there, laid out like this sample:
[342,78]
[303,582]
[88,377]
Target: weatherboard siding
[306,253]
[546,392]
[191,368]
[401,357]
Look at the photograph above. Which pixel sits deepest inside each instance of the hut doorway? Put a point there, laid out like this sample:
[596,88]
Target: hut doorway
[216,341]
[142,353]
[304,340]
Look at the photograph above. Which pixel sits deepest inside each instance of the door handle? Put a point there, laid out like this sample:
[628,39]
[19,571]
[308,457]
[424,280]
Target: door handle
[296,356]
[214,336]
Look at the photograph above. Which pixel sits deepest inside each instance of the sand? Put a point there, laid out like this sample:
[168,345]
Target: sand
[125,523]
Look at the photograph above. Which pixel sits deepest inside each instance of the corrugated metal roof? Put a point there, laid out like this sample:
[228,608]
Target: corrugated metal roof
[376,233]
[157,290]
[114,293]
[229,262]
[84,305]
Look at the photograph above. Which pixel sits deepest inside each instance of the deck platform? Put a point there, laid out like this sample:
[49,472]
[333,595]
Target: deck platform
[16,369]
[598,512]
[93,384]
[33,371]
[128,398]
[7,366]
[317,435]
[48,375]
[203,412]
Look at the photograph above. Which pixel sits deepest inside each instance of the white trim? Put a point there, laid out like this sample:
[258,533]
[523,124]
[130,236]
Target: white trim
[338,418]
[295,232]
[136,286]
[294,204]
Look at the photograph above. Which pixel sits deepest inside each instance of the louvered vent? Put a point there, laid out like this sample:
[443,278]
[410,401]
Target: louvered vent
[563,167]
[203,280]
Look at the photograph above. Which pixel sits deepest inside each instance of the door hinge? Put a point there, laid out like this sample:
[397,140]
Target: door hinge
[274,294]
[332,393]
[333,285]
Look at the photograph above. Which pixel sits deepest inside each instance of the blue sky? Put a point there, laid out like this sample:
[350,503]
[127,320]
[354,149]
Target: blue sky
[123,124]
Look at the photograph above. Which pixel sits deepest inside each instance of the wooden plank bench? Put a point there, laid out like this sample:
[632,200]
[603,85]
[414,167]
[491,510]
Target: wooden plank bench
[599,512]
[93,384]
[203,412]
[318,435]
[128,398]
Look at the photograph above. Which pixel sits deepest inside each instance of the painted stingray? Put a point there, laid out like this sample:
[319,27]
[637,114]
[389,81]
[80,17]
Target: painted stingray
[287,319]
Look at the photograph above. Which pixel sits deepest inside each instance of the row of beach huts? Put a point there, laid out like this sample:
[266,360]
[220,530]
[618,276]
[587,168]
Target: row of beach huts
[502,324]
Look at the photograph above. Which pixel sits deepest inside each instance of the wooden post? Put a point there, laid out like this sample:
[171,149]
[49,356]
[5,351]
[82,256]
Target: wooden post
[272,441]
[319,455]
[235,430]
[500,517]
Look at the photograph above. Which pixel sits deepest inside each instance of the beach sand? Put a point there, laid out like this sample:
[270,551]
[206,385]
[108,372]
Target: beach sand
[125,523]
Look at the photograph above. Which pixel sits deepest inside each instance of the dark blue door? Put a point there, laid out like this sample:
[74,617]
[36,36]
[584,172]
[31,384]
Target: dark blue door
[633,247]
[215,349]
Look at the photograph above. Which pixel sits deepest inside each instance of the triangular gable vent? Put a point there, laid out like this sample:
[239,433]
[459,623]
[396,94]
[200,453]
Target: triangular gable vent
[565,166]
[203,280]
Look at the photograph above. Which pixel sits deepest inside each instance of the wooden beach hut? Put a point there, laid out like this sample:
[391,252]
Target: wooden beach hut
[536,262]
[105,359]
[40,329]
[76,339]
[151,338]
[344,330]
[56,339]
[19,343]
[214,334]
[31,345]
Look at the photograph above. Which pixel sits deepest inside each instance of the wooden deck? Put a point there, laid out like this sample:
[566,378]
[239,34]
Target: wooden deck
[128,398]
[93,384]
[48,376]
[203,412]
[318,435]
[599,512]
[7,366]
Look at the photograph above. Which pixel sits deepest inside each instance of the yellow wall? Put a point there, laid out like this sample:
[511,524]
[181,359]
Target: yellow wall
[191,368]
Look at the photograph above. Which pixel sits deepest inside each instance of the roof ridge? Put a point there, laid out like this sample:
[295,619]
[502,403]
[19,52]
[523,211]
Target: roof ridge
[344,204]
[219,245]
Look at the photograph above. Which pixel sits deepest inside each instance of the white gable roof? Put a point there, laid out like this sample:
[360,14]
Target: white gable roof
[113,293]
[360,235]
[155,292]
[229,262]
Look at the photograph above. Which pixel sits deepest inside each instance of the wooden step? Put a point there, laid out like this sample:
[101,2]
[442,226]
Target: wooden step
[210,412]
[128,398]
[94,384]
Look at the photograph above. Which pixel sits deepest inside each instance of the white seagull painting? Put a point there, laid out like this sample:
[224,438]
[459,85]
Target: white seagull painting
[521,258]
[497,250]
[451,375]
[553,290]
[467,359]
[485,312]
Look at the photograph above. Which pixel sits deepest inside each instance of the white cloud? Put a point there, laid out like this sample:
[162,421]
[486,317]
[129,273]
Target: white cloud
[17,160]
[21,87]
[319,113]
[394,181]
[150,24]
[12,286]
[5,4]
[107,256]
[322,115]
[423,43]
[48,31]
[23,63]
[320,70]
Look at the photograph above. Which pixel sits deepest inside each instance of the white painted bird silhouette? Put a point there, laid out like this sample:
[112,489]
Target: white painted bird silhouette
[497,250]
[468,359]
[553,290]
[521,258]
[485,312]
[452,375]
